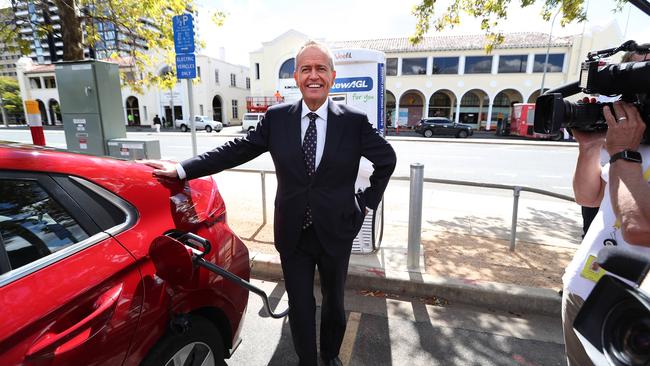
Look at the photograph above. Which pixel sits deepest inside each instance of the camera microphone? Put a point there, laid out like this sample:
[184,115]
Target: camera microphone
[624,263]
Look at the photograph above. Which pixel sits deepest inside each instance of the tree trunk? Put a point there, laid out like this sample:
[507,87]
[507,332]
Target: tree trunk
[71,32]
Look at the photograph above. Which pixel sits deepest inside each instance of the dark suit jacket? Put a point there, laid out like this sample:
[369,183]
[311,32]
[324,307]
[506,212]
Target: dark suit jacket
[330,192]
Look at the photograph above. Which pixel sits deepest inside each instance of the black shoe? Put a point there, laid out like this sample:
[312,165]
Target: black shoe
[336,361]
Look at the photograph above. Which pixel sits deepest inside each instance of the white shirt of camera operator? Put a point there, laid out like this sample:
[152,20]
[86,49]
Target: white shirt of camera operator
[581,275]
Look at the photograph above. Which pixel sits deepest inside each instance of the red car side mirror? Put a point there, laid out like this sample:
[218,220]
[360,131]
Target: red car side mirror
[173,261]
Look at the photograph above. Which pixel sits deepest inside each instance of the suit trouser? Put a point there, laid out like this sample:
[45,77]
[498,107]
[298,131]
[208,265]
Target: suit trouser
[575,352]
[298,268]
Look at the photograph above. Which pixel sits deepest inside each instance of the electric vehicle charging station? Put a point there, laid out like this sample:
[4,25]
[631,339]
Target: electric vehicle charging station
[360,83]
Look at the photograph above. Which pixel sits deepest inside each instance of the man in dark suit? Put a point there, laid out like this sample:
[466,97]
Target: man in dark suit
[316,146]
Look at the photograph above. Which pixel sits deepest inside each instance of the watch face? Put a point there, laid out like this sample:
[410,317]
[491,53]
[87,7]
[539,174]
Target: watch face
[633,156]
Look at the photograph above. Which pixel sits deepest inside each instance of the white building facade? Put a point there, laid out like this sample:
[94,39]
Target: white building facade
[448,76]
[219,91]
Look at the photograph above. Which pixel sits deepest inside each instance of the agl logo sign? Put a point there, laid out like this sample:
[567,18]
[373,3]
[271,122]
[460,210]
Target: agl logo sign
[358,84]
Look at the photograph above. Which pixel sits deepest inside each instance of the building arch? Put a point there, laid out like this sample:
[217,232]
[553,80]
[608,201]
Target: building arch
[533,96]
[41,108]
[473,108]
[502,102]
[442,103]
[55,111]
[132,111]
[411,105]
[390,108]
[217,108]
[287,68]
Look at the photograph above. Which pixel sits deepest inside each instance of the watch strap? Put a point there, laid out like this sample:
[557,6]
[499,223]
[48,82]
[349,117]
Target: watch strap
[629,155]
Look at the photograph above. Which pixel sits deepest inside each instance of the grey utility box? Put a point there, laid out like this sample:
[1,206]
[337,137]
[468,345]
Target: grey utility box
[91,104]
[134,149]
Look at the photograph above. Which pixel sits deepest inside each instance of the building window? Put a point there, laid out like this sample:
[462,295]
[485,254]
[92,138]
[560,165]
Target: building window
[235,110]
[555,62]
[287,69]
[391,67]
[248,83]
[233,80]
[478,64]
[50,82]
[445,65]
[201,109]
[146,113]
[129,76]
[198,71]
[512,63]
[257,71]
[216,76]
[414,66]
[35,83]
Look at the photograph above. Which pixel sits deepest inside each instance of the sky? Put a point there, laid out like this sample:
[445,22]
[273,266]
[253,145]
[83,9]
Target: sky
[251,22]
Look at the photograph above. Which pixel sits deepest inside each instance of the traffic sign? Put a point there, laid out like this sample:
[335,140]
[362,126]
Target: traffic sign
[183,26]
[186,66]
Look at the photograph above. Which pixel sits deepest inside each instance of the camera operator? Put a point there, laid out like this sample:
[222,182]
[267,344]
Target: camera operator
[622,191]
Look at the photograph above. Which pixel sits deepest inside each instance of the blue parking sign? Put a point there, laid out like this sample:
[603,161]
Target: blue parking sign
[183,26]
[186,66]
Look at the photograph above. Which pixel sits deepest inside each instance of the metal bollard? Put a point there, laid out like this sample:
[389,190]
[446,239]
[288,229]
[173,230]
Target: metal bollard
[415,216]
[263,175]
[515,208]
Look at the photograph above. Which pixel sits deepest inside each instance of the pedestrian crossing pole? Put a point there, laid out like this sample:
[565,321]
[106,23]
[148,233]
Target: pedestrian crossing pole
[35,122]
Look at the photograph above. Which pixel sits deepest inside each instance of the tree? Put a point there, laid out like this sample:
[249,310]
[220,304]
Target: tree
[10,93]
[136,30]
[490,13]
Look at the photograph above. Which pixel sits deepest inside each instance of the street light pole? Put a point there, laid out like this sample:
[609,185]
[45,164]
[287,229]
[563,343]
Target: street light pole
[548,47]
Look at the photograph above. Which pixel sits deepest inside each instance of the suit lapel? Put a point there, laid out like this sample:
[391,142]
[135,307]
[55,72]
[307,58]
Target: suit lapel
[294,143]
[332,135]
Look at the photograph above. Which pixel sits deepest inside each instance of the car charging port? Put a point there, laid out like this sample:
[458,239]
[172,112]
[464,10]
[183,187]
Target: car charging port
[177,253]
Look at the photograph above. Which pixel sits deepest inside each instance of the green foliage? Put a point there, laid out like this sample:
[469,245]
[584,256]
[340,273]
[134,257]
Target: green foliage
[10,93]
[143,26]
[490,13]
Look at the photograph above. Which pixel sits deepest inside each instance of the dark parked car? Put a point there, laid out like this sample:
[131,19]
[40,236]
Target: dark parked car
[442,126]
[77,284]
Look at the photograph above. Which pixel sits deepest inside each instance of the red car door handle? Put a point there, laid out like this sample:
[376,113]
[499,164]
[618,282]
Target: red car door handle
[79,332]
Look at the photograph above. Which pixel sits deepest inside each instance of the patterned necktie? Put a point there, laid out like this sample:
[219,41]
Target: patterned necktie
[309,152]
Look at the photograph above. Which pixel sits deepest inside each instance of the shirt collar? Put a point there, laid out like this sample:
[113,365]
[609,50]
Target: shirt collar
[321,111]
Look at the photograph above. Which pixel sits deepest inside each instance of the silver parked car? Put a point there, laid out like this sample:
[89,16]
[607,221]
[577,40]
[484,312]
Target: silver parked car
[201,123]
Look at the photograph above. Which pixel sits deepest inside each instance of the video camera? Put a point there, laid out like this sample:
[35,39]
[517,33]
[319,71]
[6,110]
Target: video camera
[631,80]
[613,324]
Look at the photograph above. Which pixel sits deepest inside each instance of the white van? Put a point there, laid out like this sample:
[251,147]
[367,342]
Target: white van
[250,121]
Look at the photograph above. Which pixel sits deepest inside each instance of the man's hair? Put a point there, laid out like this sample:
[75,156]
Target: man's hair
[627,56]
[320,46]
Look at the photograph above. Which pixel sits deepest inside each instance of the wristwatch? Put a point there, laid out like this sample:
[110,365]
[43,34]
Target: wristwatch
[629,155]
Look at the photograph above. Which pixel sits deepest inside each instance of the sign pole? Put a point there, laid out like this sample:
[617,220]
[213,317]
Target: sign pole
[190,98]
[183,26]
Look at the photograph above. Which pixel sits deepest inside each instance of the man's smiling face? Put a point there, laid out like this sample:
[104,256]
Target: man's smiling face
[314,76]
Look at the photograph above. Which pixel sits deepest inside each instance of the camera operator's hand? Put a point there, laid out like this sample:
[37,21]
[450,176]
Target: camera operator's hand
[629,190]
[624,128]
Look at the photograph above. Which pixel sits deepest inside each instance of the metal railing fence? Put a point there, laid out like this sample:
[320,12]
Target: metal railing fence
[414,223]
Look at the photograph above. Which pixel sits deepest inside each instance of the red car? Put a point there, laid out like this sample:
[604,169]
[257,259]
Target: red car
[77,286]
